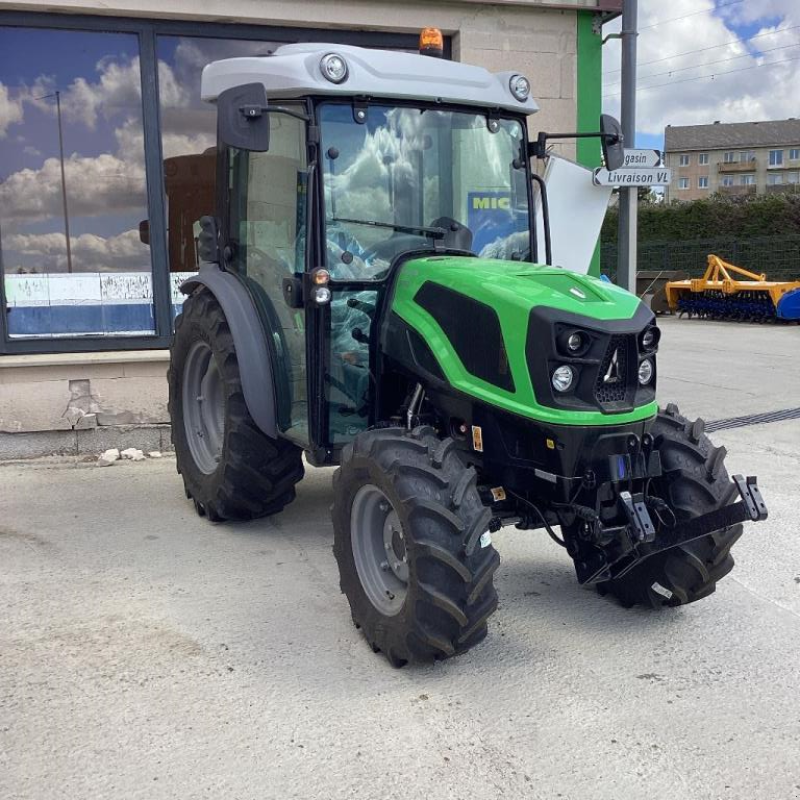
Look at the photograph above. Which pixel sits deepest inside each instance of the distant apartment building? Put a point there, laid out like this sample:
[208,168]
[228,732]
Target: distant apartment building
[738,158]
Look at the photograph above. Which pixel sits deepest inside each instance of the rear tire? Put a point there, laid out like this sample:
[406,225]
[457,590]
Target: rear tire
[695,482]
[231,469]
[439,599]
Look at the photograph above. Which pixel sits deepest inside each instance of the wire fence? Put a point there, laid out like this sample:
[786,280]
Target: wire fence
[777,257]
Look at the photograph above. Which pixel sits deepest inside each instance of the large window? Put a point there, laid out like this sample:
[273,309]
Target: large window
[106,164]
[73,185]
[406,170]
[776,158]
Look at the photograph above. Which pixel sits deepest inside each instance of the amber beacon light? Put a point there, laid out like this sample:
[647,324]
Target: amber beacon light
[431,42]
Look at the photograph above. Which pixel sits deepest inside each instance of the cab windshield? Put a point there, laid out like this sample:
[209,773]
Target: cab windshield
[407,177]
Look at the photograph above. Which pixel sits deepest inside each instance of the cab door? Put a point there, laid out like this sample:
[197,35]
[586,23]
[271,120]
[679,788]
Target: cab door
[265,234]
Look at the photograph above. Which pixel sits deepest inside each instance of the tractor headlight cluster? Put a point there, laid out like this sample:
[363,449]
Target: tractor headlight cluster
[520,87]
[333,67]
[563,378]
[645,372]
[321,291]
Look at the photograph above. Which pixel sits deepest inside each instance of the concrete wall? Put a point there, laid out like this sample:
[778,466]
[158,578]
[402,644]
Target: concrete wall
[77,404]
[84,403]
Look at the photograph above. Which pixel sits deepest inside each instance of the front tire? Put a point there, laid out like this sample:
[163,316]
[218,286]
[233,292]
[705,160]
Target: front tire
[695,482]
[408,538]
[231,469]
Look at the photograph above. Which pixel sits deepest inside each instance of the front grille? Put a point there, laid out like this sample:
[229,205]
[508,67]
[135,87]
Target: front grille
[612,379]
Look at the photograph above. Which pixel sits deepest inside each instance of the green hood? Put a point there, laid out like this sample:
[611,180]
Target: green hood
[512,289]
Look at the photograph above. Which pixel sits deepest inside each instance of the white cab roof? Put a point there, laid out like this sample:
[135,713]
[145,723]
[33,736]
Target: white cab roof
[294,71]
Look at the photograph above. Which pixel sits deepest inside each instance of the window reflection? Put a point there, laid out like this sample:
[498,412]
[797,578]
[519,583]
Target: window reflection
[72,184]
[188,138]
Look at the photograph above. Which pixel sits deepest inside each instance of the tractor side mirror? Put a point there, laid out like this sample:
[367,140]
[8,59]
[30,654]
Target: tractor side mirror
[208,241]
[612,142]
[242,118]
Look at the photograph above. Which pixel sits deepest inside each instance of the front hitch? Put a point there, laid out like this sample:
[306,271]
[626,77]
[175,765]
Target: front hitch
[623,547]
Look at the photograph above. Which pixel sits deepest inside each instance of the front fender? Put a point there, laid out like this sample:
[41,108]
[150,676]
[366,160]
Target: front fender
[249,338]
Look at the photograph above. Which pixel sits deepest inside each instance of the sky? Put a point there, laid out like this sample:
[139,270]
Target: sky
[705,60]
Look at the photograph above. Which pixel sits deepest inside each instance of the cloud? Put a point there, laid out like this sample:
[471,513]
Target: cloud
[681,91]
[130,141]
[10,110]
[90,253]
[117,91]
[95,187]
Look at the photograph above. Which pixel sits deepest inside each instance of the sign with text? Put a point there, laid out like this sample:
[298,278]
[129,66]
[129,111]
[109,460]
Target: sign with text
[641,158]
[633,176]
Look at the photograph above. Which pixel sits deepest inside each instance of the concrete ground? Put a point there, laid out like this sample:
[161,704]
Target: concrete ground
[145,653]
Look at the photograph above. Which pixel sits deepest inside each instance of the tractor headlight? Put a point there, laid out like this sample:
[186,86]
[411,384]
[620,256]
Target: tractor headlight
[322,295]
[649,338]
[333,67]
[520,87]
[574,342]
[563,378]
[645,372]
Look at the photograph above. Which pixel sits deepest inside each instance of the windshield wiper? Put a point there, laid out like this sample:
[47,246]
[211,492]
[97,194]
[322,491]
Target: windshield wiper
[434,233]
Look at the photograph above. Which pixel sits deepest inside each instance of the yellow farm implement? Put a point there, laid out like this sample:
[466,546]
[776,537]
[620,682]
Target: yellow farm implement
[717,295]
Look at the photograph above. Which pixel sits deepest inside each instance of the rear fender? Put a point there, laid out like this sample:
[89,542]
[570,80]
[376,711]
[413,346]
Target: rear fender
[250,340]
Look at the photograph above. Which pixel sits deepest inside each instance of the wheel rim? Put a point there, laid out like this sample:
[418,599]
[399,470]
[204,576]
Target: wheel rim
[203,407]
[379,550]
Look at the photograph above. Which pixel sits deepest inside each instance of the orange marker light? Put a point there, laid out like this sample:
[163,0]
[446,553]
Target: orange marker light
[320,276]
[431,42]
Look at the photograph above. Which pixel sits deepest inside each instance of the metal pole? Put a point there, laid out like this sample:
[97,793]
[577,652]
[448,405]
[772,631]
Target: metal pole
[63,182]
[628,197]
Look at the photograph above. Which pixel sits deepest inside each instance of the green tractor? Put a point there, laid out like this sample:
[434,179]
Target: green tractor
[377,293]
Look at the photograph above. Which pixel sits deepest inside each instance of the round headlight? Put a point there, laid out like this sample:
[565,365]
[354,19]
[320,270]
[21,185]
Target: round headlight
[650,337]
[520,87]
[322,295]
[333,67]
[563,378]
[574,342]
[645,372]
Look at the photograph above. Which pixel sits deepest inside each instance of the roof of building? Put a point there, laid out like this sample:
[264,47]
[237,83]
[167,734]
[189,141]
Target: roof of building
[732,134]
[294,71]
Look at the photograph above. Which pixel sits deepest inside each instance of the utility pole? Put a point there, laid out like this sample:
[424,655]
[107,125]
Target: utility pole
[63,182]
[628,197]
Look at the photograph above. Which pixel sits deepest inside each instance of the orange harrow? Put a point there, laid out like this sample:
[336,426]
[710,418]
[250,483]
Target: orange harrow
[719,296]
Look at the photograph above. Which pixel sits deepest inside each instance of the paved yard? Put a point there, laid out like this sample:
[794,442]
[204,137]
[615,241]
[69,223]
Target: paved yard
[145,653]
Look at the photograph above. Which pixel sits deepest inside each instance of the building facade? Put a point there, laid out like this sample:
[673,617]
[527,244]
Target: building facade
[741,158]
[106,165]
